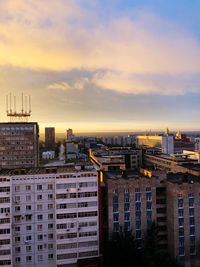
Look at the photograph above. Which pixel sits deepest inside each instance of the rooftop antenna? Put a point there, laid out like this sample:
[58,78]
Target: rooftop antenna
[11,108]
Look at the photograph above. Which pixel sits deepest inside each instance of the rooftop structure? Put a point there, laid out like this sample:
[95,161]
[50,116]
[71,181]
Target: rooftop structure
[11,108]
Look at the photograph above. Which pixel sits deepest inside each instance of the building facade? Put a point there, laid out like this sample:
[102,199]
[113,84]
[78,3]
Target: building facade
[50,138]
[19,145]
[133,201]
[49,216]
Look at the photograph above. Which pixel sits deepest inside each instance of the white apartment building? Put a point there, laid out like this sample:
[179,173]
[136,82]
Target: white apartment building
[48,216]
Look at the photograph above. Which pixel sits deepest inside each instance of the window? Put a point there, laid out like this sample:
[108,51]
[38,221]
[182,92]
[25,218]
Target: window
[50,186]
[192,230]
[28,197]
[17,259]
[40,217]
[39,227]
[50,216]
[17,188]
[191,220]
[40,237]
[39,207]
[17,208]
[40,257]
[39,197]
[28,227]
[50,225]
[28,238]
[181,231]
[17,228]
[39,187]
[191,211]
[17,239]
[148,189]
[17,249]
[28,187]
[28,258]
[50,256]
[28,248]
[137,196]
[50,196]
[28,217]
[40,247]
[50,206]
[50,236]
[180,212]
[17,198]
[28,207]
[50,246]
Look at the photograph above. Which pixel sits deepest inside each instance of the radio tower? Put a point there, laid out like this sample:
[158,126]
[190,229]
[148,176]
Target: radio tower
[11,110]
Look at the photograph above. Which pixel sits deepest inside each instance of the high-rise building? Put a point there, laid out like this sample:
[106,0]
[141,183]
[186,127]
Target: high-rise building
[70,135]
[19,144]
[49,216]
[50,138]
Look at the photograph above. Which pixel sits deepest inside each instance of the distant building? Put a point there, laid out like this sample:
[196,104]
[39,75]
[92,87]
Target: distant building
[48,154]
[164,143]
[19,145]
[50,138]
[70,135]
[116,158]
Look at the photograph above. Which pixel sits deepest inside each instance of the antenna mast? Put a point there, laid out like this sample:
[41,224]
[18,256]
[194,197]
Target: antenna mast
[11,108]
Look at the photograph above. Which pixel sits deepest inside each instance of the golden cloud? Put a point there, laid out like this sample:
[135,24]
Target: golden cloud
[56,36]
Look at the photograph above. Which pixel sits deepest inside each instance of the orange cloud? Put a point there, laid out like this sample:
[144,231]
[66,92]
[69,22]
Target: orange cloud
[56,36]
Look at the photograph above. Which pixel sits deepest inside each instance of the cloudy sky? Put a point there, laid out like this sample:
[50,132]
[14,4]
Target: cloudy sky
[103,64]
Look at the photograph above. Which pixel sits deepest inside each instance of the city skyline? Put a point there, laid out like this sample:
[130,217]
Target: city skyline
[103,65]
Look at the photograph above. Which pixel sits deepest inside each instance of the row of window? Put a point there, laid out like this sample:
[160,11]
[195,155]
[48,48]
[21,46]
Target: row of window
[39,237]
[29,197]
[74,185]
[29,207]
[76,205]
[28,217]
[75,195]
[74,255]
[29,187]
[29,227]
[75,245]
[74,235]
[30,258]
[75,215]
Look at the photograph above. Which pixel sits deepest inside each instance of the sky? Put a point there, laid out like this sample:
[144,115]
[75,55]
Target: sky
[103,65]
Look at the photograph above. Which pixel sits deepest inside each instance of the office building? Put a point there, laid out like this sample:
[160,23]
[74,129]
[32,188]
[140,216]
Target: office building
[50,138]
[19,144]
[49,216]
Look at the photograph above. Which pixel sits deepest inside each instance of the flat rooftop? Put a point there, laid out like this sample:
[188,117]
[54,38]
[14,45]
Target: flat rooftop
[85,166]
[126,174]
[180,178]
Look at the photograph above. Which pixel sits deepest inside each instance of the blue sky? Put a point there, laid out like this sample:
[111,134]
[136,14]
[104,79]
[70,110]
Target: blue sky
[103,65]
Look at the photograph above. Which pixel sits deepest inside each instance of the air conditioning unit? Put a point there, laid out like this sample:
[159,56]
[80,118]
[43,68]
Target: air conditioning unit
[68,230]
[7,214]
[67,189]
